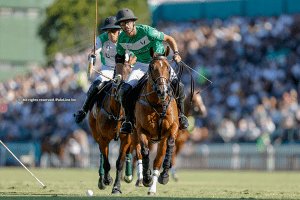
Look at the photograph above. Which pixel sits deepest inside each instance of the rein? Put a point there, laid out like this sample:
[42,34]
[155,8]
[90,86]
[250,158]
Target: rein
[109,94]
[165,103]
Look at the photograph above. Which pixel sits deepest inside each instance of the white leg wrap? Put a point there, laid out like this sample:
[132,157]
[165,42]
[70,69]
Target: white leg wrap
[173,170]
[154,178]
[139,164]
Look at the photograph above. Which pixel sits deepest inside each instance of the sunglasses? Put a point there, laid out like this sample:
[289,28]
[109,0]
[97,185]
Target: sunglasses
[112,31]
[125,22]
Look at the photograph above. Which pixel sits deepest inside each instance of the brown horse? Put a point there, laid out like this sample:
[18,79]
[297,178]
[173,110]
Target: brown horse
[197,108]
[105,127]
[156,118]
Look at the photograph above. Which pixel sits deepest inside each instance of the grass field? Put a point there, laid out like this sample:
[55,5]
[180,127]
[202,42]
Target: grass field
[17,183]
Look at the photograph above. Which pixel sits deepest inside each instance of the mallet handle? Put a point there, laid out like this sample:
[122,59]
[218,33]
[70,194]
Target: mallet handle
[44,186]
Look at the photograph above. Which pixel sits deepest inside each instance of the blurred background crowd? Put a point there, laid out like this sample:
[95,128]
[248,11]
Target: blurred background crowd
[253,64]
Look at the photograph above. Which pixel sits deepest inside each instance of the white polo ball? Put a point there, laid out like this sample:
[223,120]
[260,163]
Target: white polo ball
[89,192]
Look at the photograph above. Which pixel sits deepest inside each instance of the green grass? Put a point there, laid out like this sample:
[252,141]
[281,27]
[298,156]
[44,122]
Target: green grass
[17,183]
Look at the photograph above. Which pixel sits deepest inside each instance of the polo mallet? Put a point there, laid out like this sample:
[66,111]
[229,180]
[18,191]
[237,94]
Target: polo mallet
[44,186]
[91,63]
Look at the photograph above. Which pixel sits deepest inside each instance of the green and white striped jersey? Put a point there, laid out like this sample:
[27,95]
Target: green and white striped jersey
[141,42]
[107,50]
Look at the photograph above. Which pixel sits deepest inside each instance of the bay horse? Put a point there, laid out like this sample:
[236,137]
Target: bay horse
[196,109]
[104,122]
[156,120]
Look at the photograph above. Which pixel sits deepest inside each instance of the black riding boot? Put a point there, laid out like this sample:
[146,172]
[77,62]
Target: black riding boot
[179,87]
[93,91]
[128,123]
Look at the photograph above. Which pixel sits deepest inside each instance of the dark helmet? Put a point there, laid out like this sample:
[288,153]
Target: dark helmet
[110,23]
[125,14]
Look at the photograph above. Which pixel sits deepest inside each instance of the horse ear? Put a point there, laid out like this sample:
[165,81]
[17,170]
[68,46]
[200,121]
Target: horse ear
[152,54]
[167,51]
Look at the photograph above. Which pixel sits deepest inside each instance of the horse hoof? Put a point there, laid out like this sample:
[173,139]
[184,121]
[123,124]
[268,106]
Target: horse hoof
[139,183]
[116,190]
[163,180]
[149,183]
[176,179]
[151,193]
[109,181]
[128,179]
[101,186]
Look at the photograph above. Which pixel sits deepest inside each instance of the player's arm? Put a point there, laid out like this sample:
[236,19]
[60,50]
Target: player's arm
[98,48]
[171,42]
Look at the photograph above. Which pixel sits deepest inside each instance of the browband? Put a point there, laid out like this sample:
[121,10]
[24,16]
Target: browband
[159,58]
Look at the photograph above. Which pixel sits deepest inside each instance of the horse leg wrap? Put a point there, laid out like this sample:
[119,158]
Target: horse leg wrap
[101,169]
[146,170]
[139,169]
[128,170]
[169,152]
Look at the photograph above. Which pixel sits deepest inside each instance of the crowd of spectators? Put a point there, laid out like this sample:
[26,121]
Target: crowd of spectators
[253,63]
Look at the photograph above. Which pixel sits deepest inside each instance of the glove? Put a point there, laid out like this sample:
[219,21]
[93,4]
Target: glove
[94,58]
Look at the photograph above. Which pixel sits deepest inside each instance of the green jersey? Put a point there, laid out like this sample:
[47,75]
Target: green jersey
[141,42]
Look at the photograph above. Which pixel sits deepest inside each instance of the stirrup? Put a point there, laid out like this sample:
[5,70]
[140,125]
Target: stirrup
[126,127]
[79,116]
[183,122]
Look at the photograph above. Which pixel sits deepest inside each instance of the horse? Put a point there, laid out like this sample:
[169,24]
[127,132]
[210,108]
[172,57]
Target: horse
[104,121]
[197,108]
[156,120]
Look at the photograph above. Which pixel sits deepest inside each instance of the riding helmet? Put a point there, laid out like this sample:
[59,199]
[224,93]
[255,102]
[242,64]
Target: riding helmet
[125,14]
[110,23]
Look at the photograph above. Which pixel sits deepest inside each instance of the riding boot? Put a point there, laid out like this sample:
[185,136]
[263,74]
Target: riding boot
[183,121]
[92,92]
[128,123]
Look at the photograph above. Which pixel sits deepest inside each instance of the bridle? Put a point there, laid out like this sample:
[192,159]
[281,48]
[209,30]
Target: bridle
[153,82]
[166,102]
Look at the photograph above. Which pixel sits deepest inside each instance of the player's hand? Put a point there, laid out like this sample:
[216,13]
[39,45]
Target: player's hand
[94,58]
[132,60]
[177,57]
